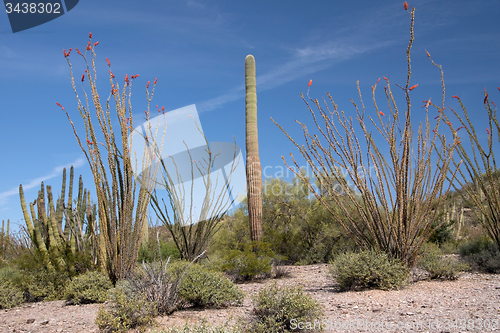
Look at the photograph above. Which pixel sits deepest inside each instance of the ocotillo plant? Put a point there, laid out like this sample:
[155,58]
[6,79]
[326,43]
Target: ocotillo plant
[45,225]
[253,168]
[395,213]
[479,174]
[193,239]
[122,205]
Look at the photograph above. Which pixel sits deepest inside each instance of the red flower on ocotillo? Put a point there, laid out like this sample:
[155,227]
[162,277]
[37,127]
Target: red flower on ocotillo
[458,129]
[78,51]
[83,77]
[448,123]
[413,87]
[405,5]
[155,81]
[134,76]
[485,97]
[107,60]
[88,47]
[90,35]
[310,82]
[126,79]
[488,130]
[381,113]
[454,96]
[95,44]
[147,85]
[112,75]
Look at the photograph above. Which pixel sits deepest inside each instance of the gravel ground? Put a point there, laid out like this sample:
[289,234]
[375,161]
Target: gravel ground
[469,304]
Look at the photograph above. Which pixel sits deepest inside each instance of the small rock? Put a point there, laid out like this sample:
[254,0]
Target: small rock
[30,321]
[45,322]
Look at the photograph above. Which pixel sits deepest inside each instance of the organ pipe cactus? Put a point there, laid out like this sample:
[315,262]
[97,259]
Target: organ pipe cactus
[45,225]
[253,167]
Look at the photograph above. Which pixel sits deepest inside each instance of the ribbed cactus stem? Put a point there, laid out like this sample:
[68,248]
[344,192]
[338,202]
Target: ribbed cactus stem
[33,230]
[253,167]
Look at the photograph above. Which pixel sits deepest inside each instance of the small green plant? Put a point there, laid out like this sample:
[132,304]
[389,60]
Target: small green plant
[204,288]
[440,267]
[91,287]
[249,261]
[279,309]
[10,295]
[127,310]
[368,269]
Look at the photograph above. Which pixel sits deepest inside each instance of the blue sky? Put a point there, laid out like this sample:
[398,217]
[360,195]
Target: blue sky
[197,50]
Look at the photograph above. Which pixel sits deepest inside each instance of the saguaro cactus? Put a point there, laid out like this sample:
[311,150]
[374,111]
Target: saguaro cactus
[253,168]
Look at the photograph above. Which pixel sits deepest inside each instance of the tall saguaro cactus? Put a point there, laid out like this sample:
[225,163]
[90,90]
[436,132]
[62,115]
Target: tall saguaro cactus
[253,168]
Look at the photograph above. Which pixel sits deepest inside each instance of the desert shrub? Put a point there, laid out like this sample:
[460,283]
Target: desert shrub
[91,287]
[475,245]
[10,295]
[443,233]
[127,309]
[440,267]
[368,269]
[250,260]
[481,254]
[279,309]
[295,225]
[279,270]
[149,251]
[40,283]
[10,273]
[204,327]
[202,287]
[159,282]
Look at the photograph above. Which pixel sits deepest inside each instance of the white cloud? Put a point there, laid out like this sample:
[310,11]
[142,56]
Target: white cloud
[37,181]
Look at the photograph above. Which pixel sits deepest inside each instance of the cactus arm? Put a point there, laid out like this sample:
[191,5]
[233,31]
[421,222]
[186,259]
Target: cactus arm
[60,205]
[27,218]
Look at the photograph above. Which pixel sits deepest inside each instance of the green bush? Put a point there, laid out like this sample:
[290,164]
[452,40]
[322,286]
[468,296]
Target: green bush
[201,287]
[249,261]
[482,254]
[126,310]
[368,269]
[10,295]
[295,225]
[439,267]
[279,309]
[39,283]
[91,287]
[476,245]
[149,251]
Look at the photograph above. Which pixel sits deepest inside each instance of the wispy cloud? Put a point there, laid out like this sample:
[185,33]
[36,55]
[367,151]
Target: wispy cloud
[36,182]
[304,61]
